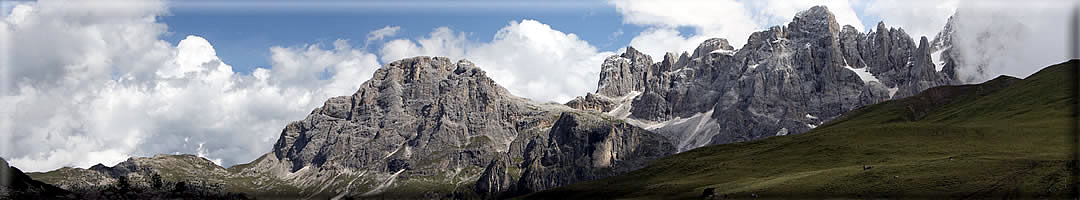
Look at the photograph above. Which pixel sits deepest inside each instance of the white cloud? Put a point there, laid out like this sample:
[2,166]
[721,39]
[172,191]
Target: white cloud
[656,42]
[780,12]
[441,42]
[376,35]
[917,17]
[1003,37]
[996,37]
[533,60]
[709,18]
[529,58]
[84,86]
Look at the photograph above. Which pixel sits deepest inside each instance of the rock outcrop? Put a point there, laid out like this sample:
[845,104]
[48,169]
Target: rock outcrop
[581,148]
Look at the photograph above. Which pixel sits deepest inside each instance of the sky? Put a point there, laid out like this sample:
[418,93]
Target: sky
[87,82]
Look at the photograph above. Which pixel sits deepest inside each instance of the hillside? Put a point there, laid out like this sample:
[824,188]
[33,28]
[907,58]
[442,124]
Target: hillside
[1003,138]
[14,184]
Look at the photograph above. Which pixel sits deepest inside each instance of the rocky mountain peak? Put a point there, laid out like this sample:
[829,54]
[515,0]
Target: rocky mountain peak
[412,109]
[624,73]
[634,55]
[713,45]
[815,21]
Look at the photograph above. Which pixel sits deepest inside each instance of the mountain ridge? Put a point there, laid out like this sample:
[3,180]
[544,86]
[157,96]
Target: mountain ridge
[784,80]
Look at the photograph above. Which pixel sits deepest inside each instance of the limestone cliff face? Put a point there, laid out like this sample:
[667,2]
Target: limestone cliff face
[427,118]
[580,147]
[422,114]
[784,80]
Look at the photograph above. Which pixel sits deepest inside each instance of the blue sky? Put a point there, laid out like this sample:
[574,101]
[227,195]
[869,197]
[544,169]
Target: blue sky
[243,38]
[242,34]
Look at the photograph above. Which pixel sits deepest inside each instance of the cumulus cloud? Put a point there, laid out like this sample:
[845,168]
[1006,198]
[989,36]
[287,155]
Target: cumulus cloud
[656,42]
[441,42]
[720,18]
[529,58]
[86,85]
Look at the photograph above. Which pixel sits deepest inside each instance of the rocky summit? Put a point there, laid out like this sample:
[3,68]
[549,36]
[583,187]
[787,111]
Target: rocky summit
[784,80]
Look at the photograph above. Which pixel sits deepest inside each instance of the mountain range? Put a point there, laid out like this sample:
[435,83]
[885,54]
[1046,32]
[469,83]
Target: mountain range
[430,127]
[1004,138]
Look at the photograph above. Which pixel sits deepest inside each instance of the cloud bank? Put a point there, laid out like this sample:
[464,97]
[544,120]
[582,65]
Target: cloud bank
[87,84]
[528,58]
[1002,37]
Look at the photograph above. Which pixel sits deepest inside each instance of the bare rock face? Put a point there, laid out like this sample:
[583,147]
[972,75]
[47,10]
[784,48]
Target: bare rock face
[420,114]
[496,178]
[581,147]
[784,80]
[592,102]
[624,73]
[944,57]
[422,119]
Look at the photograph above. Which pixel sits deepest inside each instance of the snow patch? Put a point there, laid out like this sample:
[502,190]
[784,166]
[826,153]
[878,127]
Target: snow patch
[937,60]
[381,187]
[782,132]
[752,67]
[723,51]
[864,74]
[622,110]
[677,71]
[892,91]
[809,116]
[811,126]
[395,151]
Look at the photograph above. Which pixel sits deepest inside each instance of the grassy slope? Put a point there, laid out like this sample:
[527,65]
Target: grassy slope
[1010,142]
